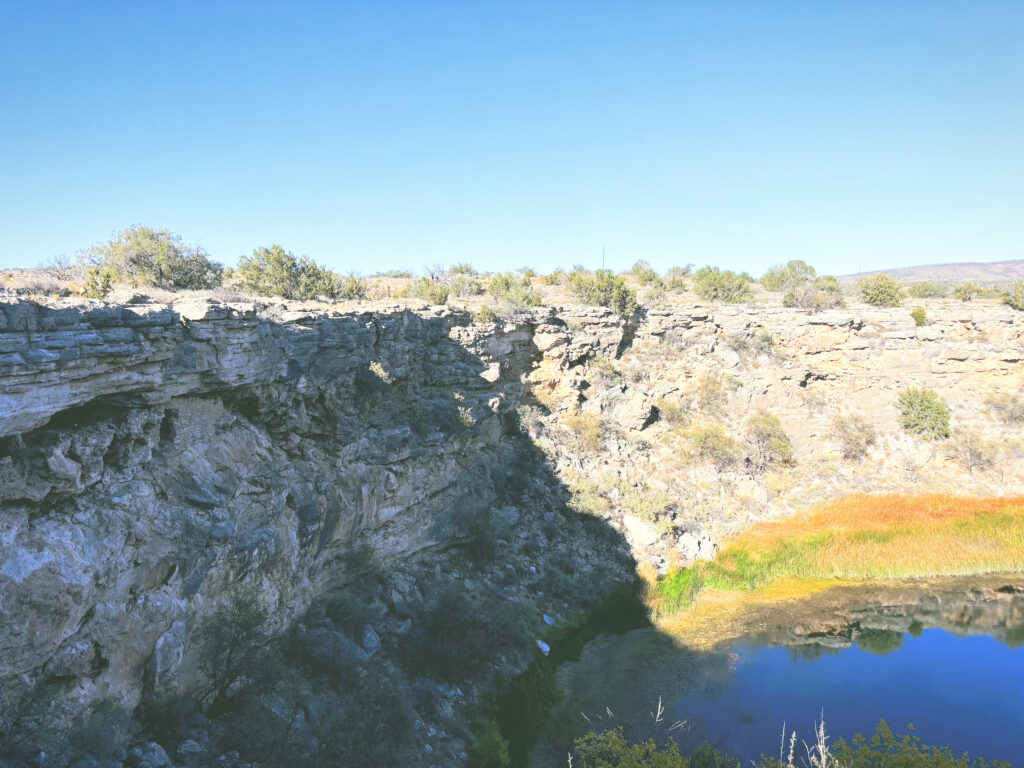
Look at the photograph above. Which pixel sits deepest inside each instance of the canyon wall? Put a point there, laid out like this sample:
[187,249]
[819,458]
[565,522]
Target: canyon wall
[156,459]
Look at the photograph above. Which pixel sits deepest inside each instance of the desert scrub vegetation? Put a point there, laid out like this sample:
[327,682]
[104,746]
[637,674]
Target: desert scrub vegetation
[675,413]
[974,452]
[712,444]
[273,271]
[711,394]
[919,316]
[967,291]
[802,287]
[462,279]
[925,290]
[645,503]
[644,273]
[881,290]
[924,413]
[816,295]
[603,288]
[143,256]
[589,499]
[675,279]
[589,431]
[860,537]
[514,291]
[1014,297]
[714,284]
[883,749]
[431,290]
[1008,408]
[784,277]
[768,445]
[603,372]
[855,436]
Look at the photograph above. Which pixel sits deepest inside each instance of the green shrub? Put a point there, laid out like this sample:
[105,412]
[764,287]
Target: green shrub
[712,444]
[434,292]
[919,316]
[711,394]
[675,279]
[881,290]
[149,257]
[714,284]
[461,280]
[924,413]
[273,271]
[486,315]
[1008,408]
[646,504]
[768,445]
[925,290]
[557,277]
[514,290]
[786,277]
[605,289]
[967,291]
[98,282]
[644,273]
[1015,296]
[854,435]
[489,749]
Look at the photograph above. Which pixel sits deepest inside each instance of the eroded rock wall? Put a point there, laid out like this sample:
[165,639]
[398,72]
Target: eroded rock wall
[155,459]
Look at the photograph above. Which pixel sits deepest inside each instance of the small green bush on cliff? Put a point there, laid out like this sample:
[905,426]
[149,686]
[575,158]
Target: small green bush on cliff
[924,413]
[967,291]
[768,445]
[604,289]
[785,277]
[143,256]
[433,292]
[919,316]
[714,284]
[514,290]
[881,290]
[644,273]
[273,271]
[711,443]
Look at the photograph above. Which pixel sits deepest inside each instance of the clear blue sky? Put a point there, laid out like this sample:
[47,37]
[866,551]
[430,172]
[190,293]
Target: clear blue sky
[375,135]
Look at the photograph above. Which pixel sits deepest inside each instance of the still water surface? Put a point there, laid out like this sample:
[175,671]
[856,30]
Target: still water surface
[949,661]
[965,692]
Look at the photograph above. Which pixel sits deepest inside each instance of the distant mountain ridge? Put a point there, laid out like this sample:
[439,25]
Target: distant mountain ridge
[978,272]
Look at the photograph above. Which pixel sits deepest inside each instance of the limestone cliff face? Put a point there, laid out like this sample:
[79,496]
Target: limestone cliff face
[154,458]
[616,411]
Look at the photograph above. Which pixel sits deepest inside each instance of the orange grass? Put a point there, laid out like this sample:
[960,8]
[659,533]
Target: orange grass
[863,512]
[856,538]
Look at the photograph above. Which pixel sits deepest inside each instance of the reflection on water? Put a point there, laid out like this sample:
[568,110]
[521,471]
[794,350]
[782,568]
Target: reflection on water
[965,692]
[950,661]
